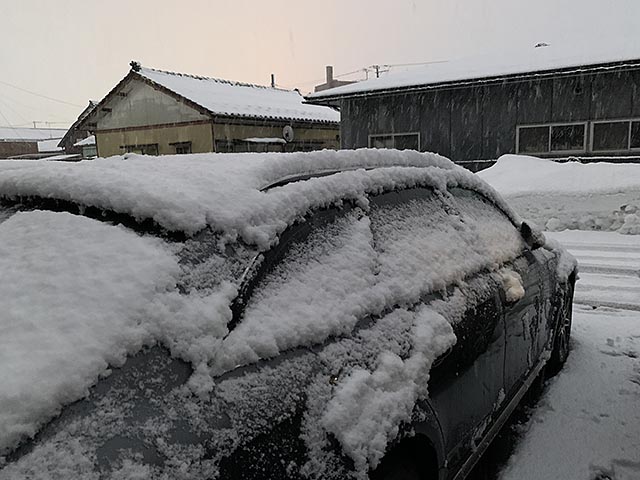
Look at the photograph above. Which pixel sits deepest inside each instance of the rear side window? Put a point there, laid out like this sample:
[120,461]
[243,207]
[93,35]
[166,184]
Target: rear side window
[313,287]
[427,240]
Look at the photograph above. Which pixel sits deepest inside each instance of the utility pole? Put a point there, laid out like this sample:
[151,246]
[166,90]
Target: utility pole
[377,67]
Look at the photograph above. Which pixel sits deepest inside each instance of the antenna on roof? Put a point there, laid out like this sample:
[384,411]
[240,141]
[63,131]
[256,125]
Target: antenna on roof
[273,81]
[135,66]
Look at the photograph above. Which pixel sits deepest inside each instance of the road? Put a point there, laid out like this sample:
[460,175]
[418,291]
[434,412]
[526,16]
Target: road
[586,425]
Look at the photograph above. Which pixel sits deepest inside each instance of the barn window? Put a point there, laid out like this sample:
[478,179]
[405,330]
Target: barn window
[609,136]
[401,141]
[635,134]
[182,147]
[533,139]
[568,137]
[149,149]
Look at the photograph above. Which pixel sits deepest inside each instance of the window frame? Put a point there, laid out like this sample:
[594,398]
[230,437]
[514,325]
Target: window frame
[550,126]
[142,147]
[630,121]
[182,145]
[393,138]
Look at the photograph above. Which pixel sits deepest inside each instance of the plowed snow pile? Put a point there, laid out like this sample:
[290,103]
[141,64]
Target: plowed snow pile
[572,195]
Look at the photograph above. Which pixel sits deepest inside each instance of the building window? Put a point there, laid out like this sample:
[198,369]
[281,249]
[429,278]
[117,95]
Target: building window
[149,149]
[552,138]
[182,147]
[400,141]
[634,140]
[533,139]
[615,135]
[224,146]
[610,136]
[568,138]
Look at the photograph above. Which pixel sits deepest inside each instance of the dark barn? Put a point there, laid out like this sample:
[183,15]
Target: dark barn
[474,113]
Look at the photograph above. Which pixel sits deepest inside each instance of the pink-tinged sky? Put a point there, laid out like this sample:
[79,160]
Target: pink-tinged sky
[76,50]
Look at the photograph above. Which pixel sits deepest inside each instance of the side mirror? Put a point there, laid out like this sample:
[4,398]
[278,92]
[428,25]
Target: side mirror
[533,237]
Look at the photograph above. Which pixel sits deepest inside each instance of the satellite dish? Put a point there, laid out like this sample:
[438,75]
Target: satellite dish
[287,133]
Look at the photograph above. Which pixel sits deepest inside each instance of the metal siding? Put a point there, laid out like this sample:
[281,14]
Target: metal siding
[635,93]
[571,99]
[466,124]
[435,121]
[534,101]
[611,96]
[499,110]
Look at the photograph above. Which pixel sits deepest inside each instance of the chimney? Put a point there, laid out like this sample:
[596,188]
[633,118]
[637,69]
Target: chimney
[329,73]
[273,81]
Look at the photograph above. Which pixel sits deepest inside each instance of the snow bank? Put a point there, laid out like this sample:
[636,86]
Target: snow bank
[187,193]
[559,196]
[73,302]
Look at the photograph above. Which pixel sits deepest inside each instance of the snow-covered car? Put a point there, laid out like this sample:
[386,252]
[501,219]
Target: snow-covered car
[353,314]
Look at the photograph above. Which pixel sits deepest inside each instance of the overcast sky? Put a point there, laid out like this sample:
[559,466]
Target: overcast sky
[76,50]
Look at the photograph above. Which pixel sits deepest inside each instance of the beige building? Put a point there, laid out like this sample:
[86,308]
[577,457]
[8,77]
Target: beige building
[156,112]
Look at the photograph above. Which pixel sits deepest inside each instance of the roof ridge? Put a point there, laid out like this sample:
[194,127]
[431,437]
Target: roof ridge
[234,83]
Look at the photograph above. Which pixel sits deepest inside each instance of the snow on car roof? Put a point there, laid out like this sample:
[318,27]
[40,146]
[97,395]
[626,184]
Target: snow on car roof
[543,58]
[225,191]
[225,97]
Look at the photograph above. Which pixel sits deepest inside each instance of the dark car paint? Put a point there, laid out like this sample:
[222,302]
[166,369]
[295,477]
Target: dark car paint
[449,421]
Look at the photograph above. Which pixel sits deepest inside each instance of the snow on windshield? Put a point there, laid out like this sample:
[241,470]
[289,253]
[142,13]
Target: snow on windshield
[73,295]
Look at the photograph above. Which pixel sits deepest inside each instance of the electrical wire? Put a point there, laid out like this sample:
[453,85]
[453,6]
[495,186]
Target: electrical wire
[40,95]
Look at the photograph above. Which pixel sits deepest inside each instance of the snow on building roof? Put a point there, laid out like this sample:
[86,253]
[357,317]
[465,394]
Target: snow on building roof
[499,64]
[13,134]
[224,97]
[49,145]
[85,142]
[227,191]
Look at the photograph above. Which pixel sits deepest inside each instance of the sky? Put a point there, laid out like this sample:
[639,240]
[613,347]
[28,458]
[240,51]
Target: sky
[75,50]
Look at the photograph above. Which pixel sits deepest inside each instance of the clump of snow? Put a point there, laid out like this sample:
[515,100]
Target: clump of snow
[187,193]
[512,284]
[368,407]
[571,195]
[631,225]
[73,302]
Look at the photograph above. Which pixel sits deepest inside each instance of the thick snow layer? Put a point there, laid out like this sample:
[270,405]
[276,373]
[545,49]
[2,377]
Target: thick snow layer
[187,193]
[559,196]
[73,297]
[49,146]
[491,65]
[224,97]
[369,406]
[90,140]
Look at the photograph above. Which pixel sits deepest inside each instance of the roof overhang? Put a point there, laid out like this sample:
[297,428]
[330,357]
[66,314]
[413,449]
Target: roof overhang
[334,100]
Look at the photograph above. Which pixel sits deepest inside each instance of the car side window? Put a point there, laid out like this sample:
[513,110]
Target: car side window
[427,240]
[494,233]
[314,284]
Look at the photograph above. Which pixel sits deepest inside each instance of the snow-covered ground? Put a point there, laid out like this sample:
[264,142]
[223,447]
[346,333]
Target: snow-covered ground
[571,195]
[587,424]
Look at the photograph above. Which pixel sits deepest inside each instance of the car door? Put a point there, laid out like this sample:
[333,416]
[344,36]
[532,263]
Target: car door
[528,319]
[423,240]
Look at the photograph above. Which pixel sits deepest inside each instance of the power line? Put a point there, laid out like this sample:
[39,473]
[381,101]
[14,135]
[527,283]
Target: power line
[40,95]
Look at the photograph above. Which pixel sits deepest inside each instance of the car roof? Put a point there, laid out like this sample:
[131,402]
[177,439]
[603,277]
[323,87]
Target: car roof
[252,196]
